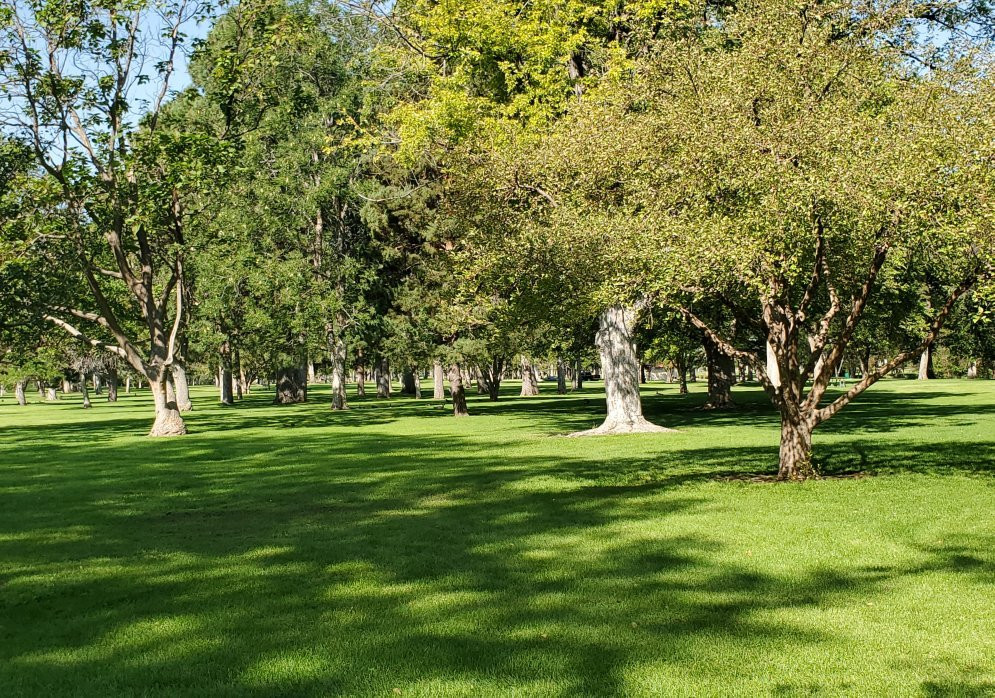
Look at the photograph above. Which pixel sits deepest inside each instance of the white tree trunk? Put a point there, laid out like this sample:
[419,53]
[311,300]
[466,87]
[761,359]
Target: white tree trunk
[924,364]
[620,368]
[19,393]
[182,387]
[773,372]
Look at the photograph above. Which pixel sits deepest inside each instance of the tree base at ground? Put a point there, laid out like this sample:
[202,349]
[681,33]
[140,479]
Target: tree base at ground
[618,426]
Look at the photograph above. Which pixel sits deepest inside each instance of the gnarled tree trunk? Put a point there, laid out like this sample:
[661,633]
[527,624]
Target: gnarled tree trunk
[620,365]
[51,394]
[796,449]
[530,386]
[168,421]
[721,376]
[457,392]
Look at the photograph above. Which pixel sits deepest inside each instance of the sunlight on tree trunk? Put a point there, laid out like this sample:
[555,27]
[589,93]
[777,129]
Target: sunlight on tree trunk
[620,365]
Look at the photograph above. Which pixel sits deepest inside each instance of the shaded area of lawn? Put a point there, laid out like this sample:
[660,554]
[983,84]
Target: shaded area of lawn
[290,550]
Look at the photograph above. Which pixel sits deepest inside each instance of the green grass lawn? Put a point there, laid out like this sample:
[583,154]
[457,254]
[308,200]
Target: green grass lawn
[396,550]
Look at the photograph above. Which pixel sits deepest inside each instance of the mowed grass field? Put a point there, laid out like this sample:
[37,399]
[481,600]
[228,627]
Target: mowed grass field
[393,550]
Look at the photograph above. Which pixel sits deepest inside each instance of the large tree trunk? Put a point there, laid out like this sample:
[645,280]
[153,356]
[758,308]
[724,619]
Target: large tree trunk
[796,449]
[19,393]
[112,385]
[721,376]
[926,364]
[382,375]
[51,394]
[530,386]
[168,420]
[407,382]
[438,379]
[682,373]
[179,375]
[620,367]
[561,377]
[458,392]
[338,351]
[291,385]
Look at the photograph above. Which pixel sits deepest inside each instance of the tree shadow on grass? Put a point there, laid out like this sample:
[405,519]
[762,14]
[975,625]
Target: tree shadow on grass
[301,562]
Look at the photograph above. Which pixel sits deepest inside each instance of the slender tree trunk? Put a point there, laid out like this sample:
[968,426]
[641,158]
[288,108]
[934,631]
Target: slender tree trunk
[311,375]
[530,386]
[86,392]
[417,386]
[291,385]
[337,350]
[682,373]
[578,379]
[112,385]
[721,376]
[457,392]
[438,380]
[360,381]
[97,384]
[19,393]
[620,366]
[561,377]
[227,388]
[127,385]
[796,448]
[178,374]
[168,420]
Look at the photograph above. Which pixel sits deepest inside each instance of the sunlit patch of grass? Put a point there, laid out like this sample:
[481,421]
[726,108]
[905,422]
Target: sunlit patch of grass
[393,550]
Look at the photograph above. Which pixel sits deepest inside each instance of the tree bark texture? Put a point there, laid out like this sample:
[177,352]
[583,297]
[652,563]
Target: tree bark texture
[530,385]
[438,381]
[457,391]
[721,376]
[620,367]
